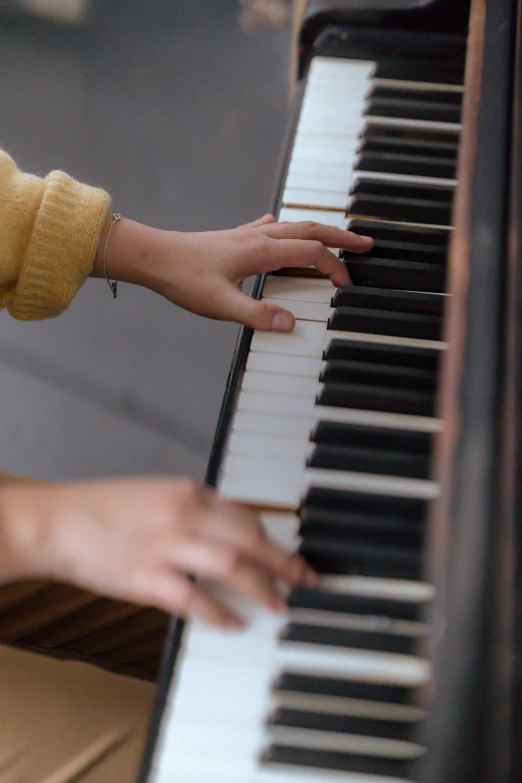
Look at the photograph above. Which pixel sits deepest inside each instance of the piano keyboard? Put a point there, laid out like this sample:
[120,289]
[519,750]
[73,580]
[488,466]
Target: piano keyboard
[332,438]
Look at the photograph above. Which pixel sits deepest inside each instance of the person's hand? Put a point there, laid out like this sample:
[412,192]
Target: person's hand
[137,540]
[203,272]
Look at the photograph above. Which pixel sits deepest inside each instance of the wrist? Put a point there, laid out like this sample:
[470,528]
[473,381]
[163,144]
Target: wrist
[131,255]
[19,535]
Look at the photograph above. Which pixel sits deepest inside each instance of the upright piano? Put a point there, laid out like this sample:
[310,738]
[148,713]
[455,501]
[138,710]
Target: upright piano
[379,438]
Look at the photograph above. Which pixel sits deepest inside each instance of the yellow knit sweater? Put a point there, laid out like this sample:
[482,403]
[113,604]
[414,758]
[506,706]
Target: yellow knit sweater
[49,232]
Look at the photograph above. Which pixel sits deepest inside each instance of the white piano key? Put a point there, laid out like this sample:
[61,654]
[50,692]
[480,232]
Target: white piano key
[214,691]
[357,708]
[311,338]
[356,71]
[235,750]
[361,666]
[284,427]
[357,622]
[275,472]
[259,494]
[279,422]
[315,199]
[284,404]
[306,311]
[403,179]
[283,448]
[375,587]
[308,150]
[343,743]
[286,365]
[304,171]
[413,85]
[320,660]
[327,217]
[302,289]
[451,128]
[279,383]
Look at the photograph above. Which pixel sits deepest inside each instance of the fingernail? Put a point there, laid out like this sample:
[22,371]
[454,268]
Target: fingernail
[310,578]
[282,322]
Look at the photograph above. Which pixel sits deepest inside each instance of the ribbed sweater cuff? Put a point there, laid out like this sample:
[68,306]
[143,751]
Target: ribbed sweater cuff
[62,247]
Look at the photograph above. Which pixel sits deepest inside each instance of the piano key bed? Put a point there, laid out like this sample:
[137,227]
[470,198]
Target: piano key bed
[331,438]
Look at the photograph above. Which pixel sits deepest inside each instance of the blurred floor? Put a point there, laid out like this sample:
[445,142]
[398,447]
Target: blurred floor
[180,115]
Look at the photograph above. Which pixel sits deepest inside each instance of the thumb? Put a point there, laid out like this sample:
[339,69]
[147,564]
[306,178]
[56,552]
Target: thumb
[262,221]
[237,306]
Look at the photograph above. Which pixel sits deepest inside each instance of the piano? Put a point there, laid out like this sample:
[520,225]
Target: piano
[380,437]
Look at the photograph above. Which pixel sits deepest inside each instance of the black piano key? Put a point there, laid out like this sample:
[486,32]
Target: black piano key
[325,601]
[343,724]
[375,142]
[361,527]
[405,251]
[396,324]
[412,109]
[399,208]
[378,229]
[386,505]
[419,71]
[416,93]
[412,165]
[367,186]
[324,636]
[401,356]
[371,398]
[379,374]
[392,273]
[346,689]
[395,301]
[335,556]
[369,460]
[308,758]
[382,437]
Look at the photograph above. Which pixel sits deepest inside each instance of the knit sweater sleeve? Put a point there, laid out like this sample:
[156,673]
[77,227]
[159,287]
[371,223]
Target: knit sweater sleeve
[49,232]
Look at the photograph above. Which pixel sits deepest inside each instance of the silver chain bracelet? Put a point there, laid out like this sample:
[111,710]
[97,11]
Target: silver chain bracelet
[113,284]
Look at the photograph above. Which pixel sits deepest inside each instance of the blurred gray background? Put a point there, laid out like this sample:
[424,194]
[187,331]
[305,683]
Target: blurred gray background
[179,113]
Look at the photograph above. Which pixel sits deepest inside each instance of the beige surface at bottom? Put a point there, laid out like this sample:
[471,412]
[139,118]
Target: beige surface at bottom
[69,722]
